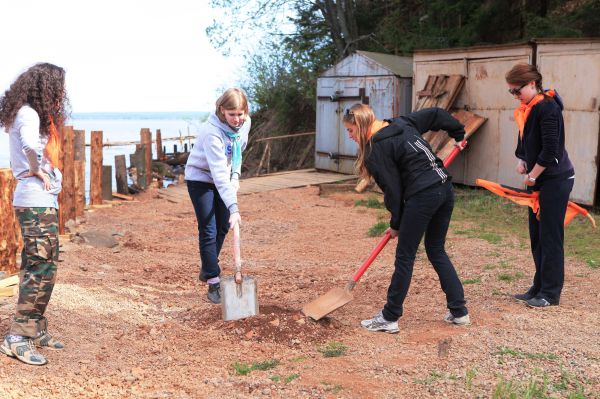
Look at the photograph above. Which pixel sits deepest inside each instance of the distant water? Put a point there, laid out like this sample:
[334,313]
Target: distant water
[125,126]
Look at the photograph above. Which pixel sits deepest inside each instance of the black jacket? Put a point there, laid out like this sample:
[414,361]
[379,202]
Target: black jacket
[543,141]
[402,162]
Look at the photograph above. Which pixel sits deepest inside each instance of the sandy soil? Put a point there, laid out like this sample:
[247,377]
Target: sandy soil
[137,324]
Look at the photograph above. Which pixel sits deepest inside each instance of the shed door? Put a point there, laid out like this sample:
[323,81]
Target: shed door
[335,150]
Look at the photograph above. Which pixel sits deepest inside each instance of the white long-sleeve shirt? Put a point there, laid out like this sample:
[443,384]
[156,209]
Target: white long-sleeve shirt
[27,154]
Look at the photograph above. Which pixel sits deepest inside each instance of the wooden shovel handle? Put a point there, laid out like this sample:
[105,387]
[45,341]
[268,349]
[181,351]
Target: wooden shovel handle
[372,257]
[237,257]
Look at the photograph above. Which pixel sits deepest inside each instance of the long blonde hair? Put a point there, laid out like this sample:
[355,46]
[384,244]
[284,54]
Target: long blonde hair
[361,116]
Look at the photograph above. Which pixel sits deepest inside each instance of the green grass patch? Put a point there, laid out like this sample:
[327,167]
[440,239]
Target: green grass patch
[371,202]
[472,281]
[275,378]
[470,375]
[333,349]
[503,218]
[298,359]
[430,379]
[378,229]
[510,277]
[505,351]
[291,378]
[247,368]
[489,266]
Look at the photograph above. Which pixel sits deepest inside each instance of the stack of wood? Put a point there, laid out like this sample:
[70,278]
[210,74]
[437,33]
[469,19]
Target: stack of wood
[10,233]
[441,91]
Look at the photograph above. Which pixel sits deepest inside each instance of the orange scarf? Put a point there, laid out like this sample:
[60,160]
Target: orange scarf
[52,150]
[522,113]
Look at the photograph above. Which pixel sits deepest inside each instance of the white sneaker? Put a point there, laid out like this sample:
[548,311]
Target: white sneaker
[378,323]
[460,321]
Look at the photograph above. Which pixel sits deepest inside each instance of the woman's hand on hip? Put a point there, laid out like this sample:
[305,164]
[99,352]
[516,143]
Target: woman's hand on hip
[40,174]
[233,219]
[393,233]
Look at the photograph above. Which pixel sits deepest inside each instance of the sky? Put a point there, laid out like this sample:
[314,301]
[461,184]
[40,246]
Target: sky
[120,55]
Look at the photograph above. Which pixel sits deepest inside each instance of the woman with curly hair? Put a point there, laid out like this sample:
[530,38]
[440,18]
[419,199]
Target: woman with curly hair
[31,111]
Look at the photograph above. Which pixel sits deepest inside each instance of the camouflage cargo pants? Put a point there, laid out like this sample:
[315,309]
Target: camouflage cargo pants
[39,227]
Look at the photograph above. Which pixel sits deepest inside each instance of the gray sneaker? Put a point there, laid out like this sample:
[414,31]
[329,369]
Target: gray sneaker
[214,294]
[378,323]
[24,350]
[459,321]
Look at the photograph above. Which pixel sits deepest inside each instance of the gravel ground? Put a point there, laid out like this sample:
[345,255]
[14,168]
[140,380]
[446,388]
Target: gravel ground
[137,323]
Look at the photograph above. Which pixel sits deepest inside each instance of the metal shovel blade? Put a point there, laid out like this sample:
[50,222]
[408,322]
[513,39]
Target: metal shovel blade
[333,299]
[238,300]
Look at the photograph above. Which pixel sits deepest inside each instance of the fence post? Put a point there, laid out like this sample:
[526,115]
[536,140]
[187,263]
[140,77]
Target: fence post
[66,198]
[107,182]
[10,233]
[121,174]
[79,165]
[96,169]
[160,156]
[146,141]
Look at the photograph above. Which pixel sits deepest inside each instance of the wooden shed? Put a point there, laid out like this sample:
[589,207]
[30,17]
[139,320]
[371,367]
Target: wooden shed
[571,66]
[381,80]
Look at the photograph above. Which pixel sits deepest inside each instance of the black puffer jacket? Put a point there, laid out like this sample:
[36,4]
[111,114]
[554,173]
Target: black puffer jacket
[402,162]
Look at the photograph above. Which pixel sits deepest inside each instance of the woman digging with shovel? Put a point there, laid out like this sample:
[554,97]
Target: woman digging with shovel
[418,194]
[212,174]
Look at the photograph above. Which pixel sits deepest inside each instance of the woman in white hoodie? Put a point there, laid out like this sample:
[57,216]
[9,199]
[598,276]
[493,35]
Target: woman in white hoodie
[32,110]
[212,174]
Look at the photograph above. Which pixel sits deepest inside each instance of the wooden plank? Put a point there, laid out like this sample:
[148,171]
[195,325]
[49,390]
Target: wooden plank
[66,198]
[79,162]
[106,182]
[146,141]
[121,175]
[159,148]
[471,121]
[7,282]
[123,196]
[96,168]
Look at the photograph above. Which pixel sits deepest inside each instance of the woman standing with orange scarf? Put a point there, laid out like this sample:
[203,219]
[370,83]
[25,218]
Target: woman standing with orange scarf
[545,165]
[30,111]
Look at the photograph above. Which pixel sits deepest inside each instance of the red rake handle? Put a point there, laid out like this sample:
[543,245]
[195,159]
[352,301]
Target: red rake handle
[454,153]
[372,256]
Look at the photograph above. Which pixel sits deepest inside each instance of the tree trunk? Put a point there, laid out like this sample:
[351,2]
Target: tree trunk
[10,233]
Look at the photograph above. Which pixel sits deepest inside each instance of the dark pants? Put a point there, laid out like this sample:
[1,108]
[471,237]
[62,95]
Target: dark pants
[426,213]
[547,239]
[213,223]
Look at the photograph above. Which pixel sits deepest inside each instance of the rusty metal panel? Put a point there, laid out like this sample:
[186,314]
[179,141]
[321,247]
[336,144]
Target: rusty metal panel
[326,125]
[356,65]
[572,67]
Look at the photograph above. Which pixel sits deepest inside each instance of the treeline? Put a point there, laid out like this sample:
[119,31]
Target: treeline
[302,38]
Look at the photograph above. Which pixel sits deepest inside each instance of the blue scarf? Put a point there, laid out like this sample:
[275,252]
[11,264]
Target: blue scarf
[236,153]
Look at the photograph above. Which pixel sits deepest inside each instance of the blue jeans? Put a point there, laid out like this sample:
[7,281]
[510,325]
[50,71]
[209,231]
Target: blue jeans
[427,213]
[213,224]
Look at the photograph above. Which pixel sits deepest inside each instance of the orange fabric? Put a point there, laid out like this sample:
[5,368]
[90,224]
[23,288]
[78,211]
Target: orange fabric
[52,150]
[532,200]
[522,113]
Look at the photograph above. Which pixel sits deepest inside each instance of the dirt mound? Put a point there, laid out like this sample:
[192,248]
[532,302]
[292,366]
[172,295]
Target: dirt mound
[276,325]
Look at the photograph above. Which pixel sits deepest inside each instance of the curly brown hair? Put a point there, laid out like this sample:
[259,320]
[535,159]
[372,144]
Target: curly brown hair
[42,87]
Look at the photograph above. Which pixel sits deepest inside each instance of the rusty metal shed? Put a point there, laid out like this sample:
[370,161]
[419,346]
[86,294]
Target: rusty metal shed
[571,66]
[381,80]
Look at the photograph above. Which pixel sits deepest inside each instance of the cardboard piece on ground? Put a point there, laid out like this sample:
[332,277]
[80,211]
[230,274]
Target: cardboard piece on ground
[122,196]
[9,291]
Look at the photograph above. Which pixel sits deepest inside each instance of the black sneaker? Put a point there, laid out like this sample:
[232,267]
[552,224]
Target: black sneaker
[538,302]
[523,297]
[214,294]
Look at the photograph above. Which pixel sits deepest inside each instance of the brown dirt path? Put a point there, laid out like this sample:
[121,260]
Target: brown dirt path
[137,324]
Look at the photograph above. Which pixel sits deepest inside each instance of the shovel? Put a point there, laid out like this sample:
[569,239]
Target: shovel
[338,297]
[238,293]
